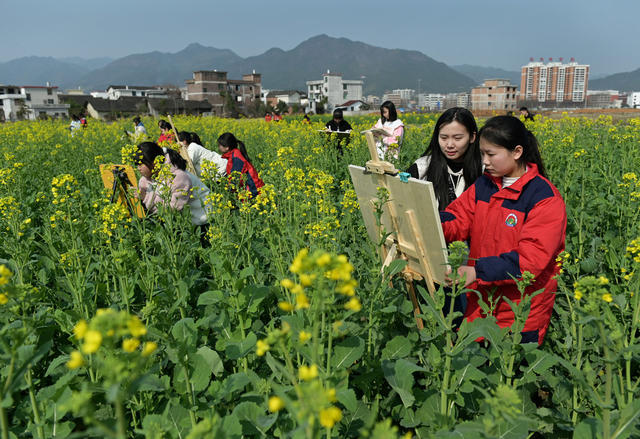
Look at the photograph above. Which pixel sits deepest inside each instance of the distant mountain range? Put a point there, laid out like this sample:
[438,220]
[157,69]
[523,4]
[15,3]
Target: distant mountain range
[381,69]
[479,73]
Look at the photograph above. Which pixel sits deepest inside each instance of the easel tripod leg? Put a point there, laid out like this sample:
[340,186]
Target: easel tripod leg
[416,305]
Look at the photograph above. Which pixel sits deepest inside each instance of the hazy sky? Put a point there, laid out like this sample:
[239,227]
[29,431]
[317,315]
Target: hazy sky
[500,33]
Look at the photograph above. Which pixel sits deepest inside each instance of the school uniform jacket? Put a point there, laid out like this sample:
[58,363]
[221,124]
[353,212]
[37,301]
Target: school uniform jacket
[511,230]
[237,162]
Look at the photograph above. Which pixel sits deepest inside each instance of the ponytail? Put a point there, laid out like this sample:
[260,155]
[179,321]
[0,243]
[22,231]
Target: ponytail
[532,153]
[243,150]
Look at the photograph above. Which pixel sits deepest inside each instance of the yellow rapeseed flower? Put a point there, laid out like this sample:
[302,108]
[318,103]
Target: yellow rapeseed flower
[5,275]
[353,304]
[262,347]
[607,297]
[80,329]
[331,394]
[3,299]
[306,280]
[130,344]
[136,327]
[149,348]
[577,294]
[92,341]
[302,301]
[323,259]
[304,336]
[285,306]
[75,360]
[329,416]
[287,283]
[275,404]
[307,373]
[603,280]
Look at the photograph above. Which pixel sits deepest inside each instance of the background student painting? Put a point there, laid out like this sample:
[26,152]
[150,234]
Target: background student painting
[394,127]
[515,221]
[337,123]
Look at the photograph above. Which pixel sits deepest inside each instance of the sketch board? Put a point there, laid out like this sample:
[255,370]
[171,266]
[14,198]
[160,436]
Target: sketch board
[106,172]
[412,211]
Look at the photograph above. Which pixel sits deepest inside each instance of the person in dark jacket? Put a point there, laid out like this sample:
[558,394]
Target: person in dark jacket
[341,128]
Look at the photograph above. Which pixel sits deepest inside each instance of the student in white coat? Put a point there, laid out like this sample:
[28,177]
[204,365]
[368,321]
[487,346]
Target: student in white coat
[452,161]
[198,154]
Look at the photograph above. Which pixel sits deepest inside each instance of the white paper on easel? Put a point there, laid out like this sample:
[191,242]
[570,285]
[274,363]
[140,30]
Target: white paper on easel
[415,196]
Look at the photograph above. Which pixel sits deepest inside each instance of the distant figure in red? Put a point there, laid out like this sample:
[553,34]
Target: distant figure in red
[234,151]
[83,121]
[277,117]
[167,133]
[267,117]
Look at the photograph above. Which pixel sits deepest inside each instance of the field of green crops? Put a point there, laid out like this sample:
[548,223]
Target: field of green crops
[284,327]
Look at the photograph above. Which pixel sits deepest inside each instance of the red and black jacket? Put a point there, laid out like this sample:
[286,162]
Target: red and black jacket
[238,163]
[511,230]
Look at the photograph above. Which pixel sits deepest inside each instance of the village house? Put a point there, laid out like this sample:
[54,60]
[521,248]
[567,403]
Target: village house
[214,87]
[354,105]
[31,102]
[334,89]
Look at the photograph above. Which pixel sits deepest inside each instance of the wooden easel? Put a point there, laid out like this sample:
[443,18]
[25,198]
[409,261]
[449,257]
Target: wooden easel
[407,208]
[118,179]
[183,150]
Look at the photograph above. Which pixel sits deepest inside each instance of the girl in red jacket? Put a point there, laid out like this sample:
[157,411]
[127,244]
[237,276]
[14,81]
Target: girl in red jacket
[237,158]
[515,220]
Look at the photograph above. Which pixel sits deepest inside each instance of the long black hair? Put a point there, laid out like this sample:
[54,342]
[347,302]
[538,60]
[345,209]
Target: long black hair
[509,132]
[393,114]
[230,141]
[164,125]
[196,139]
[184,136]
[147,153]
[437,172]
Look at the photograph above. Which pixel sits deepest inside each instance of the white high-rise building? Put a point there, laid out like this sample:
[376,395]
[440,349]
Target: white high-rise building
[335,89]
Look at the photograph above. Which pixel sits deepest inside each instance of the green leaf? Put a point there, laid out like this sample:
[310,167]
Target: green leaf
[212,360]
[210,298]
[399,375]
[147,383]
[346,352]
[185,333]
[398,347]
[253,418]
[252,296]
[395,267]
[347,397]
[235,350]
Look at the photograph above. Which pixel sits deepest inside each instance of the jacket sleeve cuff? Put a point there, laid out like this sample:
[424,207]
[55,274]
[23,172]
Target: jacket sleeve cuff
[505,267]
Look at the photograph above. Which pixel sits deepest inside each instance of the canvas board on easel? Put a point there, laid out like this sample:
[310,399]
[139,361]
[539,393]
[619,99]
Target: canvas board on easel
[411,215]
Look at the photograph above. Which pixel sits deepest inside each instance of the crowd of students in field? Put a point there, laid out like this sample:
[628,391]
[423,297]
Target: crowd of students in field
[490,184]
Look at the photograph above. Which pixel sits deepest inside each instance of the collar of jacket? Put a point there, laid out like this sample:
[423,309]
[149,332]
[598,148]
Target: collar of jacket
[231,153]
[513,192]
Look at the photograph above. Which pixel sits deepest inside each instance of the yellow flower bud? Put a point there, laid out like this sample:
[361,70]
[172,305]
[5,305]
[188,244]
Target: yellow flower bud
[275,404]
